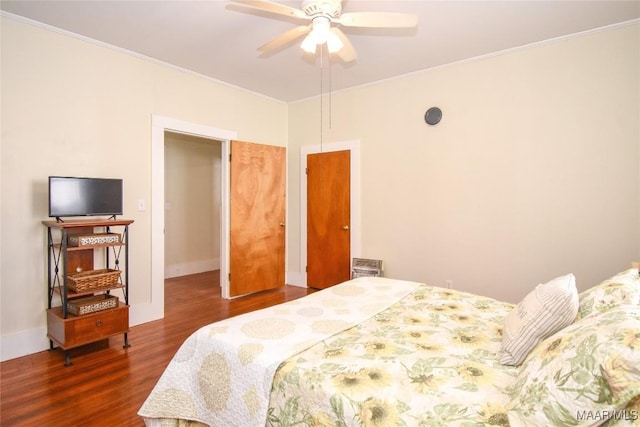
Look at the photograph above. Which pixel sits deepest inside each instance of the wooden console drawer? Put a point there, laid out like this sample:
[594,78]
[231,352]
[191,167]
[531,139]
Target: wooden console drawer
[75,331]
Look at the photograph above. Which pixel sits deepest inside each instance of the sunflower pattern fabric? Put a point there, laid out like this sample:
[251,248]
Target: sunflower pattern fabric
[621,289]
[431,359]
[583,376]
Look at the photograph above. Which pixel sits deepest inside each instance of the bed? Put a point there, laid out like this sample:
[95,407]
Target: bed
[383,352]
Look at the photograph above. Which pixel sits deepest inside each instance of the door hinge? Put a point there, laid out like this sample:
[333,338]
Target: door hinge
[306,268]
[229,157]
[306,171]
[229,276]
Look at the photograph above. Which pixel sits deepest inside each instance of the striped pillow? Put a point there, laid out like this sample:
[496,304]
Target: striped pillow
[547,309]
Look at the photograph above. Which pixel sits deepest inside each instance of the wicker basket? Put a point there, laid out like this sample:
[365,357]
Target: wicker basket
[87,281]
[92,304]
[99,239]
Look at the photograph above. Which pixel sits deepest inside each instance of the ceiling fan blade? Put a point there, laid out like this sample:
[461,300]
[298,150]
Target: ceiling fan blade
[347,53]
[285,38]
[378,20]
[277,8]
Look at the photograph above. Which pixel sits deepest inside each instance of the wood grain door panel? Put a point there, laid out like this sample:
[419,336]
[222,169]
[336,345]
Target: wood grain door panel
[257,215]
[328,218]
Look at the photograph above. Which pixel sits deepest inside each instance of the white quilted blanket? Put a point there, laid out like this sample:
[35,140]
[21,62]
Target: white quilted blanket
[222,374]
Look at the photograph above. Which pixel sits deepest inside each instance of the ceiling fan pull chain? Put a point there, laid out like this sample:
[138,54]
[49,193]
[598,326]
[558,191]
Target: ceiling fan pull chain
[330,115]
[321,94]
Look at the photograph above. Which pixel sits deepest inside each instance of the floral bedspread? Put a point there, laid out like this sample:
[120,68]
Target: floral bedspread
[222,374]
[429,360]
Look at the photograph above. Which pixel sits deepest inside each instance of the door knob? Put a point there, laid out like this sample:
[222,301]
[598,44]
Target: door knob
[282,224]
[345,227]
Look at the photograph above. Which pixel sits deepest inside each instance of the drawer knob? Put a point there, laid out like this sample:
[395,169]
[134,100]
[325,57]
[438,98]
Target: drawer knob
[99,322]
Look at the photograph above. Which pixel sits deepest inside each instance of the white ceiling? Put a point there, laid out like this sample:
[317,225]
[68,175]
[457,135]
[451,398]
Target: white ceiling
[219,39]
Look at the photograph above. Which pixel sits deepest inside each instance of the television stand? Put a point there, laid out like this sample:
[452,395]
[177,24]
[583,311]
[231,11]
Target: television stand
[87,288]
[110,218]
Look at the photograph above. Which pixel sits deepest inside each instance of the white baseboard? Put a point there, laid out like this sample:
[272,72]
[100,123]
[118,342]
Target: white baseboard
[296,279]
[183,269]
[143,313]
[23,343]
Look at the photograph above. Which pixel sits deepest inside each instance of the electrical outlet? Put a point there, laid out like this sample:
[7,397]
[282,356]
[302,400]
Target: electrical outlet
[448,283]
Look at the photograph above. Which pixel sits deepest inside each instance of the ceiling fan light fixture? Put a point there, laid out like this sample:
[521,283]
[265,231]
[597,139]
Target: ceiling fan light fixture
[321,34]
[308,44]
[334,44]
[324,18]
[321,29]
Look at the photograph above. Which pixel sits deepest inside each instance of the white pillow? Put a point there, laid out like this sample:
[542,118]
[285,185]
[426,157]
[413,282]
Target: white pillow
[547,309]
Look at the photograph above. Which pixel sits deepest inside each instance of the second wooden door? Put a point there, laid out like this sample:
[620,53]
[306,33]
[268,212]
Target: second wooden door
[328,218]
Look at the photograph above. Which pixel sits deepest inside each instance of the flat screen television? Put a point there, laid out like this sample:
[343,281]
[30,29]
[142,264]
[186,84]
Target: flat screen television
[76,196]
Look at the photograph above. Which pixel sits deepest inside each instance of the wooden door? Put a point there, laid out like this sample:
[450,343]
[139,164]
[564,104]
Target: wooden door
[328,218]
[257,215]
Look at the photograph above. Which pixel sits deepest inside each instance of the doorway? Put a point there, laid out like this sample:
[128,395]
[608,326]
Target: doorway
[154,309]
[159,126]
[193,204]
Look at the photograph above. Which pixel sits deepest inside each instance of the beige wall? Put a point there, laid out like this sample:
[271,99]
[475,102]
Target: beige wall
[192,188]
[70,107]
[532,172]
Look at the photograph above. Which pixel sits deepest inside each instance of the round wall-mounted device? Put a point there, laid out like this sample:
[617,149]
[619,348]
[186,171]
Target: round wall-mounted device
[433,116]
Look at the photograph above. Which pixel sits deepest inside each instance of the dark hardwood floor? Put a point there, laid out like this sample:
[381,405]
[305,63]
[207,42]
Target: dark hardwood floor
[106,384]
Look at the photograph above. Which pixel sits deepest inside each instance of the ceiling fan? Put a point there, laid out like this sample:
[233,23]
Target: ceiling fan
[325,16]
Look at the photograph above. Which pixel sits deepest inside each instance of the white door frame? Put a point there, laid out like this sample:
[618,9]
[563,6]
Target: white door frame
[160,124]
[354,149]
